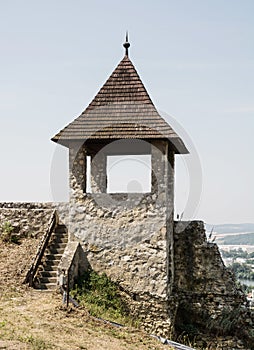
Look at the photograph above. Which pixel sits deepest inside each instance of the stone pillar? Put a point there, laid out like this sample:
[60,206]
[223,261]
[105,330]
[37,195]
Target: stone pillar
[170,179]
[159,166]
[170,218]
[163,173]
[77,171]
[163,186]
[99,173]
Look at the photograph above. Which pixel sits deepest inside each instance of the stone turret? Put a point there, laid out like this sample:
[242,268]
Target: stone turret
[131,236]
[127,235]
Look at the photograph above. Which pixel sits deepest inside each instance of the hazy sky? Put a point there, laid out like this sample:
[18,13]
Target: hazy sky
[195,57]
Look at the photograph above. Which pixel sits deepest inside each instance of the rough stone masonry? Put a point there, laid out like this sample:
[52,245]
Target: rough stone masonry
[193,287]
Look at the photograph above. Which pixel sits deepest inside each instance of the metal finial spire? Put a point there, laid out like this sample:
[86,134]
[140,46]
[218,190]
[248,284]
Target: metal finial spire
[126,45]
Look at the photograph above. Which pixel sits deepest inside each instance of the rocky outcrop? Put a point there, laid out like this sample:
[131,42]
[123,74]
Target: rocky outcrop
[207,296]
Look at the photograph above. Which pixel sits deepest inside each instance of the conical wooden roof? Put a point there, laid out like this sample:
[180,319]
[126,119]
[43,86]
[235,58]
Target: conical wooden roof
[122,109]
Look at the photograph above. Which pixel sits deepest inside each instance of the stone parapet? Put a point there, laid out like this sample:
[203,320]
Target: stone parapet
[26,218]
[27,205]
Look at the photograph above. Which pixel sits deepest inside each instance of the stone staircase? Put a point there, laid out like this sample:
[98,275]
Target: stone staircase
[46,278]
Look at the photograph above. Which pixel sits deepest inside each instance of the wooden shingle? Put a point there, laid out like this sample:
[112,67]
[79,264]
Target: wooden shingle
[122,109]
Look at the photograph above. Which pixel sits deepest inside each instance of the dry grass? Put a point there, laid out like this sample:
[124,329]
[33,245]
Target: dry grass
[36,320]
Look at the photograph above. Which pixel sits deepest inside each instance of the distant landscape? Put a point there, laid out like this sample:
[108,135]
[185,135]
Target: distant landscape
[231,228]
[232,234]
[236,244]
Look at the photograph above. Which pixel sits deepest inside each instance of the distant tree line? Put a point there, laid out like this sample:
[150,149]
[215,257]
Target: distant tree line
[242,238]
[239,253]
[242,271]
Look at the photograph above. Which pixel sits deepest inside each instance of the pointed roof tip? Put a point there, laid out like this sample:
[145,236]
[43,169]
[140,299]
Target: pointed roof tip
[122,109]
[126,45]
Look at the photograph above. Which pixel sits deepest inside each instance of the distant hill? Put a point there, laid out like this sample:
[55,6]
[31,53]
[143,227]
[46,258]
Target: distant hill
[241,239]
[230,228]
[232,234]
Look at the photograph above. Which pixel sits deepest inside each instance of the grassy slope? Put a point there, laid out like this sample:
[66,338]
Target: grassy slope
[35,320]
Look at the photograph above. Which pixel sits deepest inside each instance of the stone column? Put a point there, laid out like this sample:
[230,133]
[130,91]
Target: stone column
[163,187]
[170,217]
[77,171]
[99,173]
[163,173]
[170,179]
[159,160]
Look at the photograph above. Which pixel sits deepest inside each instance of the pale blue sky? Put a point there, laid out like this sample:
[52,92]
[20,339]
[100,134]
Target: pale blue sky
[196,59]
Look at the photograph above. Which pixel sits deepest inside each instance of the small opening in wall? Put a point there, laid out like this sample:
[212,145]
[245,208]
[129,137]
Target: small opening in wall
[88,174]
[129,174]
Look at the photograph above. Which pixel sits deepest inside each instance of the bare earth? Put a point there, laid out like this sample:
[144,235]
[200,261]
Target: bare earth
[36,320]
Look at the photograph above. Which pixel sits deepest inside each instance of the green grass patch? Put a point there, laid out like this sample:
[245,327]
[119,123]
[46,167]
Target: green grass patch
[102,298]
[2,324]
[7,234]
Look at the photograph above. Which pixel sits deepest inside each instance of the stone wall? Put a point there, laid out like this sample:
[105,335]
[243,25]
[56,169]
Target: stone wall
[171,280]
[199,268]
[128,236]
[27,218]
[129,243]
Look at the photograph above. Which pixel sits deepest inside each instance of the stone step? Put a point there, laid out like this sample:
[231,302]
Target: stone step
[61,229]
[57,245]
[51,263]
[58,235]
[55,250]
[60,240]
[49,267]
[48,273]
[47,280]
[53,257]
[60,232]
[47,286]
[39,290]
